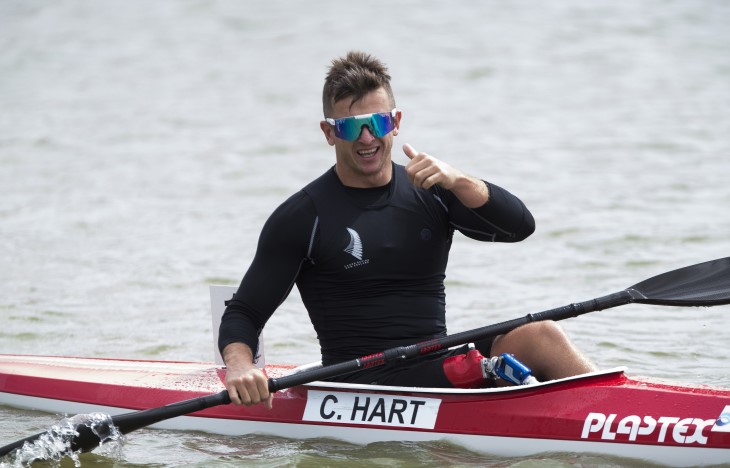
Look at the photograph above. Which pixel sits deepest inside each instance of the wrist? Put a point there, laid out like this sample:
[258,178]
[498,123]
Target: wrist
[470,191]
[238,356]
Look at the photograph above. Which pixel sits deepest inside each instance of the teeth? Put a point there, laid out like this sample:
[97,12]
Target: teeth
[369,152]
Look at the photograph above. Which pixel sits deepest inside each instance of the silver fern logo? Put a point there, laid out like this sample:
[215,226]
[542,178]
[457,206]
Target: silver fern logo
[354,248]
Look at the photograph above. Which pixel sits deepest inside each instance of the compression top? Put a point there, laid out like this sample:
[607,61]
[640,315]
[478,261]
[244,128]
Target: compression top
[369,263]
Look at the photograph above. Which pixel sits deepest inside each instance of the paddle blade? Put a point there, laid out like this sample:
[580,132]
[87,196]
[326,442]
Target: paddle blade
[704,284]
[83,432]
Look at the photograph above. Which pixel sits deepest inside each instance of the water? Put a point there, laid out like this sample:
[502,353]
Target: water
[143,145]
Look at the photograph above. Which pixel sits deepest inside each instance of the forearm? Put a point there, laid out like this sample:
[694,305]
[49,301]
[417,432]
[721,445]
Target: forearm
[243,321]
[471,192]
[510,219]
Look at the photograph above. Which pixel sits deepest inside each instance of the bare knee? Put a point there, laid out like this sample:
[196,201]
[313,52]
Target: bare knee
[547,331]
[544,347]
[528,337]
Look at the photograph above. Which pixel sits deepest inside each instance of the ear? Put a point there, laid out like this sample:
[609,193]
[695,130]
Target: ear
[398,115]
[329,133]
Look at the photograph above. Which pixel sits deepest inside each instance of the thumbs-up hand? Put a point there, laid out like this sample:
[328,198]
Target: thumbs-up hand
[425,171]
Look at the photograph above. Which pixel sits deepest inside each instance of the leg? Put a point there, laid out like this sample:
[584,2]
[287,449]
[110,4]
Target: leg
[545,348]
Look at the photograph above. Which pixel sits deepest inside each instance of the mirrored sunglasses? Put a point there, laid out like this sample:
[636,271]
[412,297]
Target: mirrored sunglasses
[349,128]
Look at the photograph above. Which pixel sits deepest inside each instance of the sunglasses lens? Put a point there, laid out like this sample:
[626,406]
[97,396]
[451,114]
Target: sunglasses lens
[350,128]
[381,124]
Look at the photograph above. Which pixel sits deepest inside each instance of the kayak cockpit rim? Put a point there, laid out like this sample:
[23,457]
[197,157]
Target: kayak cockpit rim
[612,372]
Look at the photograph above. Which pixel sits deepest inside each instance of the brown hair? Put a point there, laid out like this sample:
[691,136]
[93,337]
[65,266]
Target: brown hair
[354,76]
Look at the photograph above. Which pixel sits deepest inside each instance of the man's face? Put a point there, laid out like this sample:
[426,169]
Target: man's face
[364,162]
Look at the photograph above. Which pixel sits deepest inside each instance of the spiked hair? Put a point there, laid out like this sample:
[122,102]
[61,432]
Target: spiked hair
[354,76]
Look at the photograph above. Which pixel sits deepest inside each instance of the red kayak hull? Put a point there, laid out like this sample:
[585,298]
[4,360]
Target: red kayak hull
[605,412]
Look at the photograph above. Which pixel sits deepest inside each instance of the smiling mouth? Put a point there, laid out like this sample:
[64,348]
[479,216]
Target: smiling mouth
[369,152]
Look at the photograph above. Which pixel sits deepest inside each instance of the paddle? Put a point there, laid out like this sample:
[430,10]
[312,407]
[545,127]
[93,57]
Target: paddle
[704,284]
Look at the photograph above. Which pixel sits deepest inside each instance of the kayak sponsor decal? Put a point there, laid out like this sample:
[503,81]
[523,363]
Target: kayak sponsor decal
[722,424]
[371,409]
[663,429]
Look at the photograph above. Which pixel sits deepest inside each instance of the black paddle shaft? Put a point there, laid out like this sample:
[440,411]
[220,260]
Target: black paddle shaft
[436,344]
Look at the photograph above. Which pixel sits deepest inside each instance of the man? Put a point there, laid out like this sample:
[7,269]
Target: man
[367,245]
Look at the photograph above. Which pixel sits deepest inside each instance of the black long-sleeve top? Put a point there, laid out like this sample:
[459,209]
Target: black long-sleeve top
[369,263]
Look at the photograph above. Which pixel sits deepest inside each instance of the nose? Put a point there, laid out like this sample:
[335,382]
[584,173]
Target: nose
[365,135]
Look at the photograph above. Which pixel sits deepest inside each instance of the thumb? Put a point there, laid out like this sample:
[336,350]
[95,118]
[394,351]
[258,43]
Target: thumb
[410,151]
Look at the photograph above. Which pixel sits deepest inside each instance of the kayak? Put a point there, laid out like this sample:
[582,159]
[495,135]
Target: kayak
[605,412]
